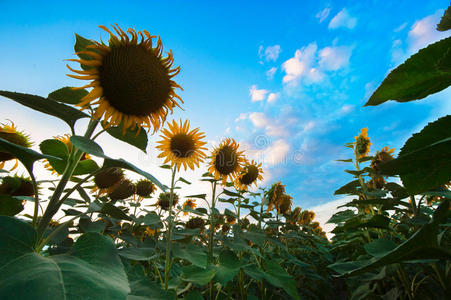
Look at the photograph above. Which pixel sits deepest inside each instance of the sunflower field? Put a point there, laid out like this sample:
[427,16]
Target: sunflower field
[94,233]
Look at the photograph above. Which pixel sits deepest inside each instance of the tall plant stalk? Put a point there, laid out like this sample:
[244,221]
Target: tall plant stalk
[169,232]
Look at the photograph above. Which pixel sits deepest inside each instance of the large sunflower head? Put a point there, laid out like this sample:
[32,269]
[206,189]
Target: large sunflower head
[10,133]
[108,177]
[363,143]
[284,206]
[195,223]
[130,78]
[226,161]
[66,140]
[180,146]
[191,203]
[249,175]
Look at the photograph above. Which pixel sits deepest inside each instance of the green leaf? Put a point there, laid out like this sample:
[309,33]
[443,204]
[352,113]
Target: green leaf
[396,190]
[194,295]
[86,145]
[445,22]
[379,247]
[197,275]
[232,194]
[115,212]
[10,206]
[80,45]
[132,137]
[278,277]
[48,106]
[421,245]
[144,289]
[91,270]
[341,216]
[191,253]
[228,267]
[424,160]
[184,180]
[345,160]
[348,188]
[376,221]
[139,254]
[417,77]
[68,95]
[25,155]
[151,218]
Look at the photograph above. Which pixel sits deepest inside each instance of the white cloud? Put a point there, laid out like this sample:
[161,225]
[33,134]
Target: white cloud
[277,152]
[347,108]
[270,73]
[310,65]
[259,119]
[243,116]
[309,126]
[300,64]
[256,94]
[334,58]
[423,32]
[322,15]
[400,27]
[343,19]
[272,97]
[272,128]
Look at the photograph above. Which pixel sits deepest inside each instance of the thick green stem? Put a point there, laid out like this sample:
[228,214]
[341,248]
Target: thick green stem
[169,232]
[54,204]
[36,198]
[212,223]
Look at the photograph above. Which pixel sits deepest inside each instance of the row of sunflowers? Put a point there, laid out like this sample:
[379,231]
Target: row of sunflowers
[94,233]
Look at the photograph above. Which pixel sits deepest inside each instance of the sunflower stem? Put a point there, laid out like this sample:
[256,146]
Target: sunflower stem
[169,232]
[36,198]
[212,221]
[54,203]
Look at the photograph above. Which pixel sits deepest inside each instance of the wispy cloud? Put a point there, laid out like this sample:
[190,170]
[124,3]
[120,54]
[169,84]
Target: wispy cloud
[272,97]
[256,94]
[270,73]
[334,58]
[322,15]
[343,20]
[271,53]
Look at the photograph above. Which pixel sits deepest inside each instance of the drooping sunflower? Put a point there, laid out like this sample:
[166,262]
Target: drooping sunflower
[249,175]
[363,143]
[195,223]
[180,146]
[230,219]
[10,133]
[66,140]
[122,191]
[227,161]
[130,78]
[274,195]
[188,203]
[382,156]
[16,186]
[164,200]
[284,206]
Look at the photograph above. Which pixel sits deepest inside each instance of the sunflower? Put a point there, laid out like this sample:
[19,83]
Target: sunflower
[230,219]
[181,146]
[188,203]
[249,174]
[195,223]
[284,205]
[66,140]
[363,143]
[274,195]
[226,161]
[165,198]
[122,190]
[10,133]
[16,186]
[108,178]
[145,188]
[382,156]
[131,80]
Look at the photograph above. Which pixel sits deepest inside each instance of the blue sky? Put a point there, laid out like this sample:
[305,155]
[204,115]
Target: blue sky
[288,79]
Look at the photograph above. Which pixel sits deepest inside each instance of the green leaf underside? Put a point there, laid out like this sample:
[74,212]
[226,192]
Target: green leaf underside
[132,137]
[424,160]
[48,106]
[91,270]
[418,77]
[445,22]
[68,95]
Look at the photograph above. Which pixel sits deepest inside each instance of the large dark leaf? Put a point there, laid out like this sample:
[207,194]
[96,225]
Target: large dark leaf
[68,95]
[417,77]
[228,267]
[10,206]
[48,106]
[132,137]
[445,22]
[90,270]
[348,188]
[424,161]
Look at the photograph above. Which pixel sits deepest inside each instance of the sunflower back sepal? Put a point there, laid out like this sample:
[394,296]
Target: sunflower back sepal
[80,45]
[47,106]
